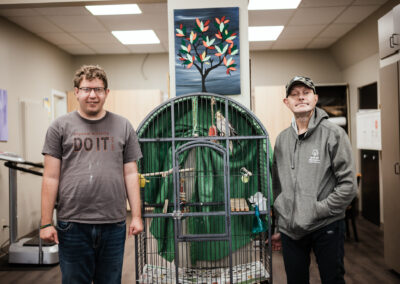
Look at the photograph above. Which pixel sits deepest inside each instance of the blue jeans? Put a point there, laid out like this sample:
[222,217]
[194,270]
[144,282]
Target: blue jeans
[328,246]
[91,252]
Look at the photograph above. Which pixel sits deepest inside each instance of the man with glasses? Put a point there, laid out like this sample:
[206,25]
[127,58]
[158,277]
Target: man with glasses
[314,181]
[90,170]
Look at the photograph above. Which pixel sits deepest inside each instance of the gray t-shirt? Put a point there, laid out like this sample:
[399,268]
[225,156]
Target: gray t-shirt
[92,154]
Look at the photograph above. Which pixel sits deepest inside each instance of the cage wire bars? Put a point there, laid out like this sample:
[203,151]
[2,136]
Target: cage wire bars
[206,164]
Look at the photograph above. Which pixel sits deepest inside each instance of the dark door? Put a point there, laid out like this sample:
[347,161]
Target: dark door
[369,163]
[368,97]
[370,185]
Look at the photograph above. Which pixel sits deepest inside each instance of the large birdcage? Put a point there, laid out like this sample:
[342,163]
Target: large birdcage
[206,176]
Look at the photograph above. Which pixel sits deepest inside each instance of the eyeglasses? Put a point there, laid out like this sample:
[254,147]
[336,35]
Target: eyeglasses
[97,90]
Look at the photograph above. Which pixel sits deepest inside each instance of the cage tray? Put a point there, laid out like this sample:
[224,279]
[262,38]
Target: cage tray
[253,272]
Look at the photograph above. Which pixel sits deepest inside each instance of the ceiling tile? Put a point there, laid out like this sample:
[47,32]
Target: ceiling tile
[290,43]
[315,24]
[59,38]
[301,31]
[324,3]
[146,48]
[321,43]
[336,30]
[63,11]
[315,16]
[77,49]
[18,12]
[35,24]
[162,34]
[355,14]
[261,45]
[77,23]
[94,37]
[133,22]
[110,48]
[153,8]
[269,17]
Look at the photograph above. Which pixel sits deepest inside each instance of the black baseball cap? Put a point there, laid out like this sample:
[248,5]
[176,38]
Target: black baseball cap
[299,80]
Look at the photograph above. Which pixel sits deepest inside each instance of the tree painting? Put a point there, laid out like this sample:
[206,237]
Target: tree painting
[207,51]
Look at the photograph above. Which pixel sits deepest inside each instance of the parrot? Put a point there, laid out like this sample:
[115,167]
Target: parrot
[220,122]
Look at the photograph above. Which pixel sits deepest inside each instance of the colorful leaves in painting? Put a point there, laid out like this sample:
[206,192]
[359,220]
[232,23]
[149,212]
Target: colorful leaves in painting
[207,48]
[230,66]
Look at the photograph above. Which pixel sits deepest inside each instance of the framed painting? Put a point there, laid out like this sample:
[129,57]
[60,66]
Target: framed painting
[207,51]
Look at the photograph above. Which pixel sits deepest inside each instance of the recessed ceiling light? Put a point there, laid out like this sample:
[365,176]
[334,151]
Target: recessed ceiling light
[273,4]
[265,33]
[123,9]
[136,37]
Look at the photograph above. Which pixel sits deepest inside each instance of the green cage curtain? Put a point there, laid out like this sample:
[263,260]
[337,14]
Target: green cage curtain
[195,119]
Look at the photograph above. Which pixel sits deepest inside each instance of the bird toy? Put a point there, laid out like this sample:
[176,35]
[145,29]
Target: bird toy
[212,131]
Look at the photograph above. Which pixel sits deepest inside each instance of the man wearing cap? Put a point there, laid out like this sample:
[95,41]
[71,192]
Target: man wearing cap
[314,181]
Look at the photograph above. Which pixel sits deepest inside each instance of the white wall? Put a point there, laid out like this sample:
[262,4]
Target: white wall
[29,68]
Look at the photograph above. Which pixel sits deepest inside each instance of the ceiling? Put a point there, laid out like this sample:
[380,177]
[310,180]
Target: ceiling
[314,24]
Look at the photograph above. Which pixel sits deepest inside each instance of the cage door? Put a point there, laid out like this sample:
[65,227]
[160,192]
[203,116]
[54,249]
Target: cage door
[202,192]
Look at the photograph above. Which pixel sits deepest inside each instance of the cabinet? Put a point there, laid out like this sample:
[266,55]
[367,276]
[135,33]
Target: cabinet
[389,33]
[389,82]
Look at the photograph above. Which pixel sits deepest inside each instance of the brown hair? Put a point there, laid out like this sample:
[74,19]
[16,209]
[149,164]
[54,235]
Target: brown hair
[90,72]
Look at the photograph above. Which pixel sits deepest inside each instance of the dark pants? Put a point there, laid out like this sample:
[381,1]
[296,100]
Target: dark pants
[91,252]
[328,246]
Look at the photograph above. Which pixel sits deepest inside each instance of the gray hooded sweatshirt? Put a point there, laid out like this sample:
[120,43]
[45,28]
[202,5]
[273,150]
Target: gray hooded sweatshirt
[313,178]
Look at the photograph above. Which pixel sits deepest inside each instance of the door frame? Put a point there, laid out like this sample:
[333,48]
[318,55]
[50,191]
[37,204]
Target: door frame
[57,95]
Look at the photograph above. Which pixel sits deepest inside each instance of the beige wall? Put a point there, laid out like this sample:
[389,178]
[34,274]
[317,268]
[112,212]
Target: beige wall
[133,71]
[30,68]
[278,67]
